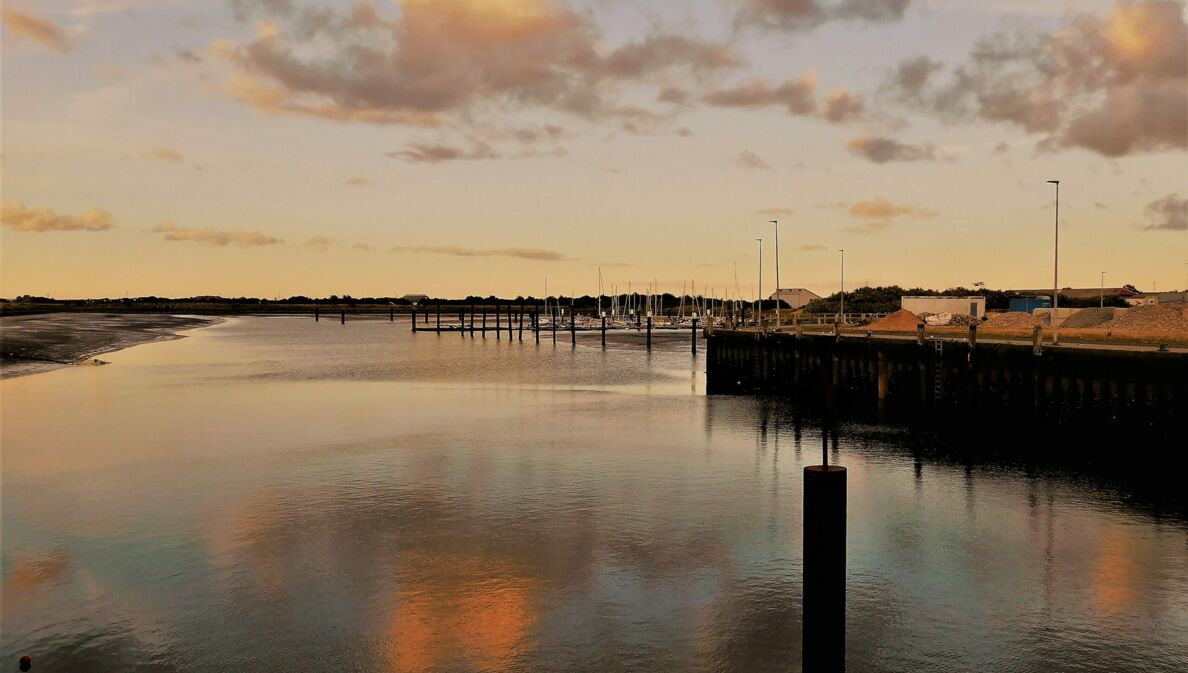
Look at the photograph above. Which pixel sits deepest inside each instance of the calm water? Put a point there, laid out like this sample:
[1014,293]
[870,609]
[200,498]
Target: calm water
[274,494]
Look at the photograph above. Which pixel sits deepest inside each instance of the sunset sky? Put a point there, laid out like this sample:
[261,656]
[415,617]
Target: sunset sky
[282,147]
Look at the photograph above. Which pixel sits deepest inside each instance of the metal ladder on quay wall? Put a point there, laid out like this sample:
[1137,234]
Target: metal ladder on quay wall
[938,383]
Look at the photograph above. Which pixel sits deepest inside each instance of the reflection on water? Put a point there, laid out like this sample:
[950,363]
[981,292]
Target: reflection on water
[279,495]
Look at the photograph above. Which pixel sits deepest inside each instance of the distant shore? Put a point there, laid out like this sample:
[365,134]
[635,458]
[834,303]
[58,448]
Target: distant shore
[30,344]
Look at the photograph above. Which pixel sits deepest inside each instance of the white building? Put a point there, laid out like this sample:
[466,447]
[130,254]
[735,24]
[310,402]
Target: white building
[974,306]
[794,297]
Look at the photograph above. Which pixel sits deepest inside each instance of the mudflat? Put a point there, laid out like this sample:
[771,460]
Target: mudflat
[35,343]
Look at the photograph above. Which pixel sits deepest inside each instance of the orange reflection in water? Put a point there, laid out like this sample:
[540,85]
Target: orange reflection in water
[478,608]
[1114,573]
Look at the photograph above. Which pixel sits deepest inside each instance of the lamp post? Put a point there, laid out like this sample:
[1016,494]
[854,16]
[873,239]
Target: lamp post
[1103,273]
[777,260]
[1056,267]
[759,304]
[841,313]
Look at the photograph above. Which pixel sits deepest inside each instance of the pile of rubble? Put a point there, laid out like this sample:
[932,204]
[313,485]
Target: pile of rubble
[1014,320]
[1092,317]
[1155,318]
[949,319]
[902,320]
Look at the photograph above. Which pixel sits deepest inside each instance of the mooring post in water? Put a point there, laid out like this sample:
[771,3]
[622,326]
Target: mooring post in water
[604,331]
[344,316]
[572,326]
[694,332]
[496,320]
[391,314]
[414,318]
[462,322]
[823,623]
[316,316]
[973,335]
[484,330]
[1037,344]
[649,332]
[553,322]
[884,376]
[520,330]
[472,320]
[439,317]
[920,333]
[536,323]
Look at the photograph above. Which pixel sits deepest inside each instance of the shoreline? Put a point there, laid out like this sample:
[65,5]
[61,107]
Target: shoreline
[39,343]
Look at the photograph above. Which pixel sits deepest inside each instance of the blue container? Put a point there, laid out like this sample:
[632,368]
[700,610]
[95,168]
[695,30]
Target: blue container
[1029,304]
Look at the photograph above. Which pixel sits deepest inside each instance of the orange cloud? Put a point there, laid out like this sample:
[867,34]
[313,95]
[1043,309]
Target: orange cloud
[42,31]
[358,182]
[320,242]
[522,253]
[881,208]
[165,154]
[214,237]
[21,218]
[883,150]
[443,56]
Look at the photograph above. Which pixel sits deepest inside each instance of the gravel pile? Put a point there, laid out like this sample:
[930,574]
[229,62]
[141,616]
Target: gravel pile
[902,320]
[1092,317]
[1157,318]
[1013,320]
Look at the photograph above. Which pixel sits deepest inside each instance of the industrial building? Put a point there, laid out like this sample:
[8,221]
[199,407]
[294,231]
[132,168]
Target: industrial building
[974,306]
[794,297]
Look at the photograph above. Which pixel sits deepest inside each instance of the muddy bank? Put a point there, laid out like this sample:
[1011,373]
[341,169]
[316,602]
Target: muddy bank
[36,343]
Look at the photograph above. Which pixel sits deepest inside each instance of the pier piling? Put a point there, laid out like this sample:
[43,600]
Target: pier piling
[604,332]
[823,625]
[316,316]
[694,334]
[649,332]
[344,316]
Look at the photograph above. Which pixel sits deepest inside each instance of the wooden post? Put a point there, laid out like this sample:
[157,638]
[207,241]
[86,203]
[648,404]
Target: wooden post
[496,320]
[973,335]
[472,320]
[462,322]
[536,324]
[1037,340]
[414,318]
[920,334]
[439,317]
[520,333]
[484,329]
[823,625]
[572,326]
[316,316]
[344,316]
[649,332]
[837,329]
[884,376]
[694,331]
[553,322]
[391,314]
[604,331]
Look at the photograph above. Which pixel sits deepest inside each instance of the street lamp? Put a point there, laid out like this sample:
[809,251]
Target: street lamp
[1103,273]
[759,303]
[777,254]
[841,313]
[1056,267]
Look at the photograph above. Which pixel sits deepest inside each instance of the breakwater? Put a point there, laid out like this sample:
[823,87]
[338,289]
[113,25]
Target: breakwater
[952,379]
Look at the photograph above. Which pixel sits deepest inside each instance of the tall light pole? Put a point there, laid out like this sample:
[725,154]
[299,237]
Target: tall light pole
[841,313]
[1103,273]
[759,304]
[777,254]
[1056,267]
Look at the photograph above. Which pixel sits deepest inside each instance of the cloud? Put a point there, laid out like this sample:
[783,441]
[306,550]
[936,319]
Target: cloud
[913,75]
[811,247]
[881,208]
[841,105]
[881,150]
[1169,213]
[363,247]
[456,251]
[808,14]
[867,228]
[214,237]
[795,95]
[429,153]
[749,159]
[165,154]
[683,132]
[16,215]
[775,211]
[41,30]
[438,58]
[320,242]
[1115,85]
[358,182]
[674,95]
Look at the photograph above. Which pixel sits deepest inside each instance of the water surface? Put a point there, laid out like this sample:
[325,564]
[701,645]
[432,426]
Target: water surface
[275,494]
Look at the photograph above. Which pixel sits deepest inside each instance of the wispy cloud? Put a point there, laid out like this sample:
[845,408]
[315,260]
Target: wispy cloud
[41,30]
[320,242]
[358,182]
[1169,213]
[749,159]
[427,153]
[213,236]
[881,208]
[811,247]
[882,150]
[165,154]
[775,211]
[536,254]
[16,215]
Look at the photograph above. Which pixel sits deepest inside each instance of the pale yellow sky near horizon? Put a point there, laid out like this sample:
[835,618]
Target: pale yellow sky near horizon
[461,147]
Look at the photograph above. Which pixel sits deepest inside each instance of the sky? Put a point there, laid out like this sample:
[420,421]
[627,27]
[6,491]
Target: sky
[454,147]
